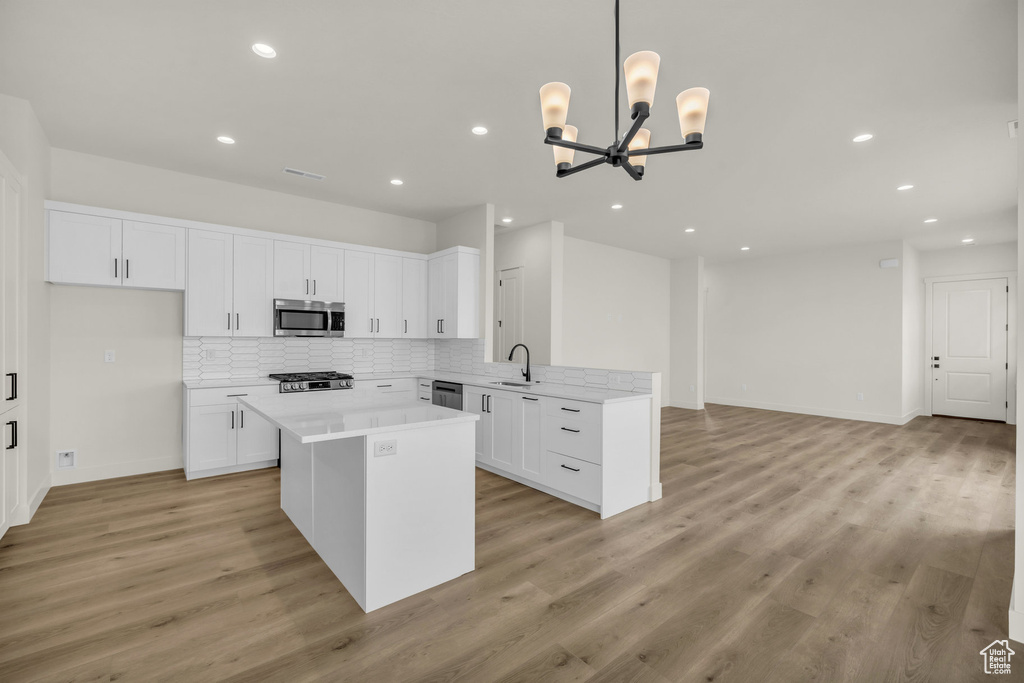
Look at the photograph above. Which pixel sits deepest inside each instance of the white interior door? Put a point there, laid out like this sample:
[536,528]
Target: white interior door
[510,310]
[969,349]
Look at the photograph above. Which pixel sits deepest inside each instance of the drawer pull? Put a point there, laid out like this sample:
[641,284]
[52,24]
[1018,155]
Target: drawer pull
[571,410]
[383,386]
[236,395]
[574,469]
[574,431]
[529,398]
[424,398]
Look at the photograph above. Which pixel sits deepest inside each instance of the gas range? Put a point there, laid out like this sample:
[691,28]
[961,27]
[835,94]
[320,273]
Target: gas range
[312,381]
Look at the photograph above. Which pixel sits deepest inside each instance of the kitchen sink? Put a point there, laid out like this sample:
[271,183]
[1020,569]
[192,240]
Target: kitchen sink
[513,384]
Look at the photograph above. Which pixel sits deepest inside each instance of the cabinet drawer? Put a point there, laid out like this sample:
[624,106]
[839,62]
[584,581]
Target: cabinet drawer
[574,437]
[212,397]
[575,477]
[574,410]
[386,386]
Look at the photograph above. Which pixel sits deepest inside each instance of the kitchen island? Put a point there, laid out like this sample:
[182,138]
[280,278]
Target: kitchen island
[384,490]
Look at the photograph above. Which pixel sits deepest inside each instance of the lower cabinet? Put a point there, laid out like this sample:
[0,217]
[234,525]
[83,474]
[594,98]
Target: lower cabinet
[13,431]
[222,436]
[404,387]
[594,455]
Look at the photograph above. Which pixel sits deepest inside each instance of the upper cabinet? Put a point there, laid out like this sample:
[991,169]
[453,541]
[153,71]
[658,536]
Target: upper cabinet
[308,272]
[414,298]
[373,295]
[454,276]
[95,250]
[230,285]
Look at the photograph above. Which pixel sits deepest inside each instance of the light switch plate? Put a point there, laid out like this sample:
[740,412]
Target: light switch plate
[108,356]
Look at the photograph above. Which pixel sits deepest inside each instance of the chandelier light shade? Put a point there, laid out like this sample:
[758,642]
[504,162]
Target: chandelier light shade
[629,151]
[640,141]
[564,155]
[554,105]
[693,112]
[641,70]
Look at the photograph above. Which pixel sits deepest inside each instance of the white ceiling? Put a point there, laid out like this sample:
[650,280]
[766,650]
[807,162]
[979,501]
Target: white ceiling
[364,92]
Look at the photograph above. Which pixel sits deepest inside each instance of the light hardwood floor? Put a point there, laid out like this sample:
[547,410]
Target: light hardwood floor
[787,548]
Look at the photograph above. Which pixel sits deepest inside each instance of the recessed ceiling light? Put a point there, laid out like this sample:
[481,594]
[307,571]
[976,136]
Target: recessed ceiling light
[396,181]
[479,130]
[744,248]
[225,139]
[902,188]
[689,230]
[506,220]
[616,206]
[931,220]
[863,137]
[264,51]
[967,240]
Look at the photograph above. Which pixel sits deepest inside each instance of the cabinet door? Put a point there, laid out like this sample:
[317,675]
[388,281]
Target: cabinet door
[474,400]
[327,272]
[13,432]
[387,296]
[291,270]
[208,295]
[257,438]
[253,287]
[10,285]
[527,445]
[450,307]
[212,437]
[84,250]
[414,298]
[435,289]
[154,256]
[503,407]
[359,294]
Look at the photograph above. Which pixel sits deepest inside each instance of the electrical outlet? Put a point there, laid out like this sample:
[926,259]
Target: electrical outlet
[692,389]
[860,396]
[389,447]
[108,356]
[66,460]
[743,387]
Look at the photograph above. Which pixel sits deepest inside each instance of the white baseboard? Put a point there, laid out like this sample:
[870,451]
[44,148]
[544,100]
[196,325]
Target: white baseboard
[689,405]
[808,410]
[909,416]
[37,497]
[114,470]
[1016,618]
[656,492]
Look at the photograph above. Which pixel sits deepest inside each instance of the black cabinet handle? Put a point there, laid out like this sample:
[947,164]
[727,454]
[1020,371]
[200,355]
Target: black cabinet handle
[14,435]
[571,410]
[574,431]
[229,320]
[530,398]
[115,269]
[383,386]
[236,395]
[14,385]
[238,324]
[574,469]
[241,416]
[126,262]
[378,324]
[424,398]
[314,287]
[232,419]
[488,403]
[406,330]
[307,285]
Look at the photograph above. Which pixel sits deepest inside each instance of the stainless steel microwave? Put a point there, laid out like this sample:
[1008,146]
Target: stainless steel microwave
[297,318]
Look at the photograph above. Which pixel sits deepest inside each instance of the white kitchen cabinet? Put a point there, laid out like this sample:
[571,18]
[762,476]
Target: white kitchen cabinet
[291,270]
[359,294]
[154,256]
[253,287]
[425,390]
[327,271]
[404,387]
[209,284]
[221,436]
[414,298]
[453,277]
[84,250]
[12,291]
[11,458]
[95,250]
[526,442]
[387,296]
[502,406]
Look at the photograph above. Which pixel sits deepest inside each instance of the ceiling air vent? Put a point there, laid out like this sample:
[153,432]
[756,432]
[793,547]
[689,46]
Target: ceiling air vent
[304,174]
[1012,127]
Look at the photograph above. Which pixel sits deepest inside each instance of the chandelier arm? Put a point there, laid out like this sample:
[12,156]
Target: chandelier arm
[576,146]
[663,150]
[638,123]
[582,167]
[616,71]
[628,167]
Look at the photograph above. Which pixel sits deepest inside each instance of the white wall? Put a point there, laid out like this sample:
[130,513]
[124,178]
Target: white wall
[475,228]
[686,381]
[976,260]
[1016,609]
[808,332]
[615,309]
[534,248]
[127,321]
[24,142]
[913,334]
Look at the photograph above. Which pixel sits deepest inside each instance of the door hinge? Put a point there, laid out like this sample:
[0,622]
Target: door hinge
[499,323]
[1007,289]
[1007,404]
[499,284]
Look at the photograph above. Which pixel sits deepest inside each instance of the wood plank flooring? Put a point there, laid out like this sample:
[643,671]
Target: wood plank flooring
[787,548]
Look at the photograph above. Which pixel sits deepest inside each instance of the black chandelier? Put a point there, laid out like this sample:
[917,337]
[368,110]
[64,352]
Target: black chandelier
[631,151]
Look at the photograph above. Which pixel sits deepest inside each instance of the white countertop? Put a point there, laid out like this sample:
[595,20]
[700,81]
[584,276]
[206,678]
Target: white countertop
[327,415]
[589,394]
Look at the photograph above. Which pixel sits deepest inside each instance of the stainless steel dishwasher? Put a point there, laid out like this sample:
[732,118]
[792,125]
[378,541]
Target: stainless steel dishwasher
[447,394]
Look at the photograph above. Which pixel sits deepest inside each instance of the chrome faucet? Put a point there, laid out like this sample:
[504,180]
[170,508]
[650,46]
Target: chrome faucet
[526,372]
